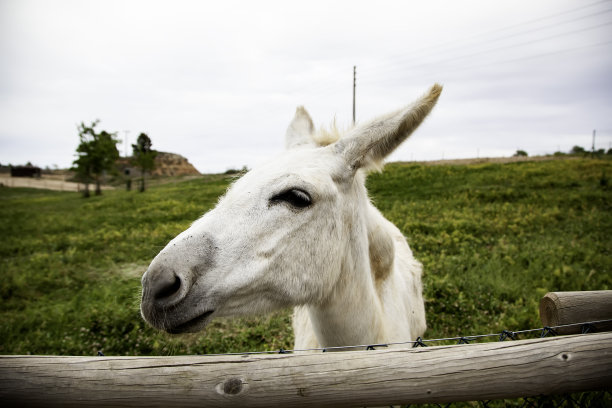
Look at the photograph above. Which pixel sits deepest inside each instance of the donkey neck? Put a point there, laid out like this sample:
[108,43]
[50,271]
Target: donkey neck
[352,314]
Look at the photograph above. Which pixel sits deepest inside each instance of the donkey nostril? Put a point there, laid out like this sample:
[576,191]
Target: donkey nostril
[169,289]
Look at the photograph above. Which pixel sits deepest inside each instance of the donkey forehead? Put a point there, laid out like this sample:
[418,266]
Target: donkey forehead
[307,168]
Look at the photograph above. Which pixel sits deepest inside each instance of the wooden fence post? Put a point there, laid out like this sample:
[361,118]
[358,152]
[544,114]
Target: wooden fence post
[560,308]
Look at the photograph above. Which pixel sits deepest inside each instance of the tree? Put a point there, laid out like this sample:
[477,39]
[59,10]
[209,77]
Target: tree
[144,157]
[577,150]
[96,154]
[521,153]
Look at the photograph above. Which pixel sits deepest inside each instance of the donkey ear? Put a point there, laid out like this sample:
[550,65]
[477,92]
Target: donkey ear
[368,145]
[300,129]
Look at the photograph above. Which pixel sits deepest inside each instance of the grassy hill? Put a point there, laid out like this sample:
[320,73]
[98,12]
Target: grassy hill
[493,239]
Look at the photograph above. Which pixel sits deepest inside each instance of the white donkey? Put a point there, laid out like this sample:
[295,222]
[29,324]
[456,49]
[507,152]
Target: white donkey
[300,231]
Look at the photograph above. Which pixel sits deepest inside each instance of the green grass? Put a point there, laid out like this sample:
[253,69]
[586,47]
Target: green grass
[493,239]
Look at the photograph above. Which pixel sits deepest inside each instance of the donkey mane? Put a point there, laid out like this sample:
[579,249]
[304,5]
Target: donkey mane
[328,135]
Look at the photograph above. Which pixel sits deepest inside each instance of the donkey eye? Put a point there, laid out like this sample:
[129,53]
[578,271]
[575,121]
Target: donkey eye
[297,198]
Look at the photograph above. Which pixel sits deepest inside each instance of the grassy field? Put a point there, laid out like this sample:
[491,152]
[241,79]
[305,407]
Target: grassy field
[493,239]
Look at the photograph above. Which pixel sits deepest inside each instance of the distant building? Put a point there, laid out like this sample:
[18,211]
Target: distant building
[25,171]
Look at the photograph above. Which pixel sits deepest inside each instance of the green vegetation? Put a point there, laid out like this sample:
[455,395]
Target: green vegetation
[144,157]
[493,239]
[96,154]
[520,153]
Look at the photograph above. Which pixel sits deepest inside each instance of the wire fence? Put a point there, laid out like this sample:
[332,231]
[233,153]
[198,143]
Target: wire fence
[600,398]
[546,331]
[595,397]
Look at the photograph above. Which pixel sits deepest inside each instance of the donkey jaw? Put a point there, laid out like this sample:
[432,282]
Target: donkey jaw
[176,319]
[193,325]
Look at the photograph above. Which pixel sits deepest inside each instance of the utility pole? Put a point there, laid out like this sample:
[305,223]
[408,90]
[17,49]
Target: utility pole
[593,146]
[354,84]
[125,149]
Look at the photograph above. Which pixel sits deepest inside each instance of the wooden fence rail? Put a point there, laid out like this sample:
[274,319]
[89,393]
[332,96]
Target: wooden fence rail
[507,369]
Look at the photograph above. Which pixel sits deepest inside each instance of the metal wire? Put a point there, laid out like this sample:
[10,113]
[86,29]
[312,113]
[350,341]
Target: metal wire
[586,327]
[585,399]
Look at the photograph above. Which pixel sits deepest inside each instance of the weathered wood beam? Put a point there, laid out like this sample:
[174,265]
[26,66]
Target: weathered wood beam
[482,371]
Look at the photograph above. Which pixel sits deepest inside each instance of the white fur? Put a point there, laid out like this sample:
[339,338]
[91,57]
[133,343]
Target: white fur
[347,270]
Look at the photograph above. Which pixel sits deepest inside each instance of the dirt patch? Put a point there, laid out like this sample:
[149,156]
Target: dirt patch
[47,183]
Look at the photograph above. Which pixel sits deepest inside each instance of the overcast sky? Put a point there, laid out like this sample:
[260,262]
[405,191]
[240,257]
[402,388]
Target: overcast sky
[218,81]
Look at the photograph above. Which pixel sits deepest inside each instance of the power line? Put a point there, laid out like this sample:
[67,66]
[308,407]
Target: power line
[429,49]
[548,17]
[460,70]
[463,56]
[338,81]
[535,56]
[456,70]
[335,81]
[439,63]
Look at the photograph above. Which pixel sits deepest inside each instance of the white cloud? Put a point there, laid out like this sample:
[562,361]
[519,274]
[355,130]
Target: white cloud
[219,81]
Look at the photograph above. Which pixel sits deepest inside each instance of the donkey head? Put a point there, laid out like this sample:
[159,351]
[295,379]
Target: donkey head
[280,235]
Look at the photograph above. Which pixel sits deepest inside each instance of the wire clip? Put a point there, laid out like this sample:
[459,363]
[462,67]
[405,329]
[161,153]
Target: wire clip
[548,330]
[507,334]
[419,342]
